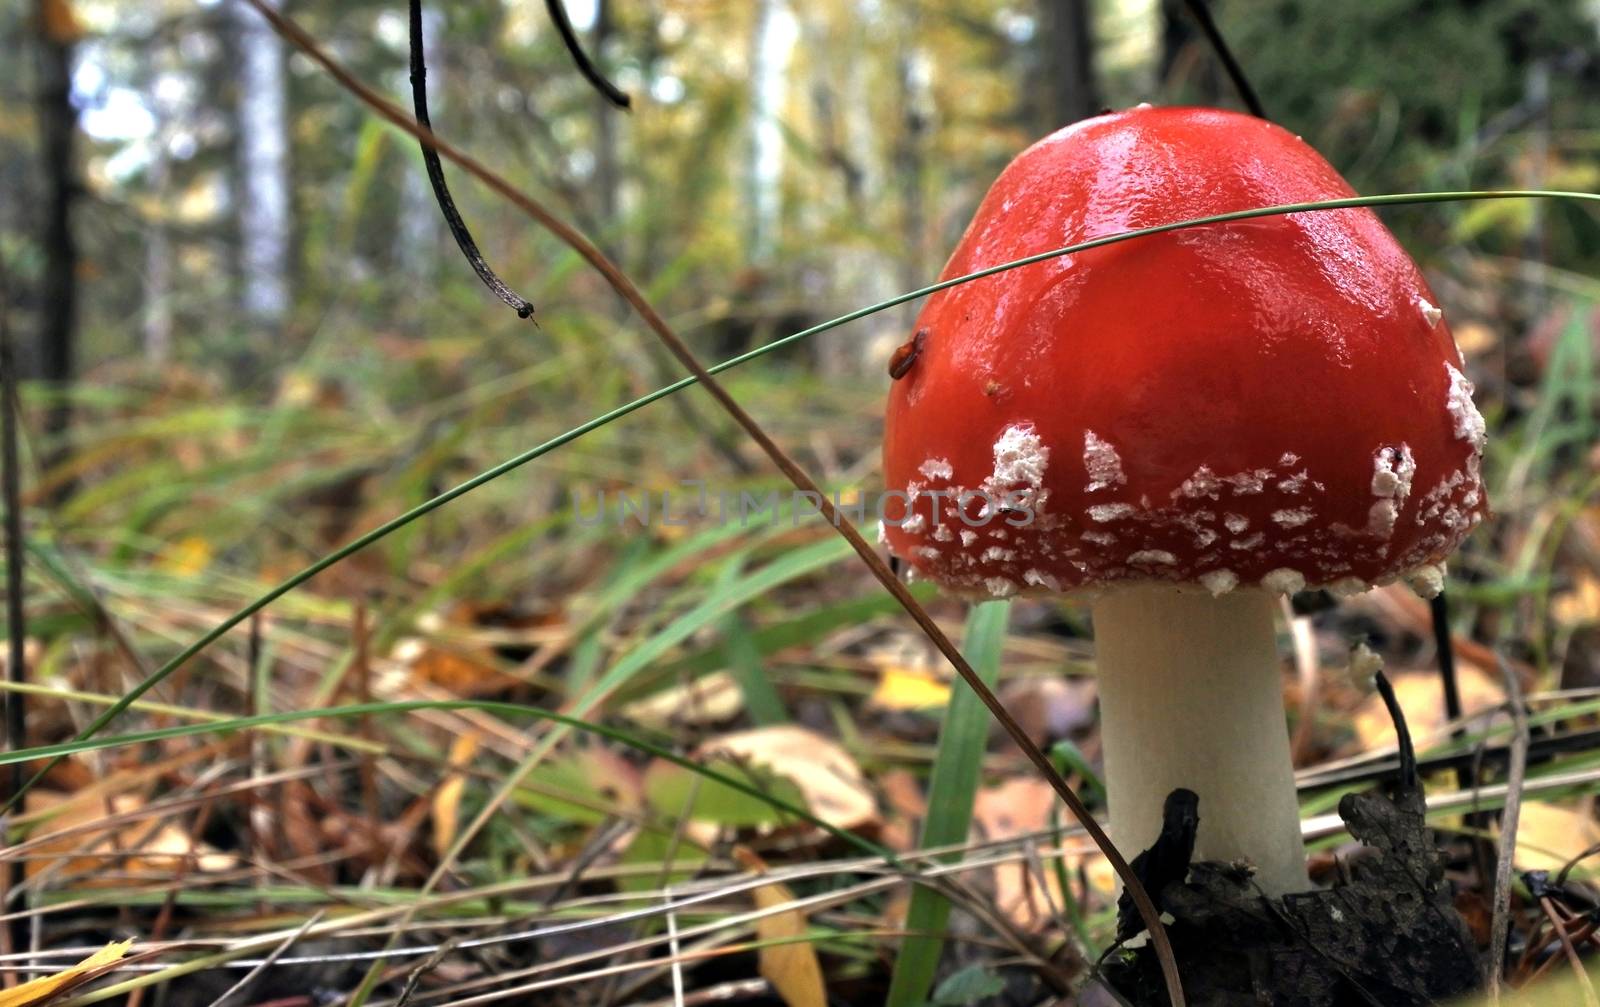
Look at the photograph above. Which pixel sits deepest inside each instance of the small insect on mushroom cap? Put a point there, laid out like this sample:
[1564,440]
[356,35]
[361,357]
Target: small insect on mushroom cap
[1273,402]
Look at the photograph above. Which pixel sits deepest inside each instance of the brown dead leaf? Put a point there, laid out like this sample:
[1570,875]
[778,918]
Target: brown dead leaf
[46,988]
[447,799]
[459,671]
[1014,808]
[791,966]
[151,845]
[826,774]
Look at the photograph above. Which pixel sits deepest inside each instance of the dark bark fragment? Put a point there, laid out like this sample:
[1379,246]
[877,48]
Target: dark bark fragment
[1388,935]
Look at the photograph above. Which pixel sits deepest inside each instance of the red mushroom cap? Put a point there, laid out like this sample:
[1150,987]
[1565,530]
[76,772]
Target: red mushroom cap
[1273,401]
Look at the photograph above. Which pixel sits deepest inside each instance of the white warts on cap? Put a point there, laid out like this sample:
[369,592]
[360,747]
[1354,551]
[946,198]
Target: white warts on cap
[1102,463]
[968,537]
[1469,425]
[1348,587]
[1153,557]
[1284,581]
[1235,523]
[1392,471]
[1219,582]
[1036,578]
[1110,512]
[1429,312]
[937,468]
[1364,667]
[1292,518]
[1381,517]
[1427,580]
[1000,587]
[1019,457]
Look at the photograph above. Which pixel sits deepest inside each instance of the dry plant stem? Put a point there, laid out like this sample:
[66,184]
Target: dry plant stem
[1191,696]
[630,293]
[11,935]
[1500,922]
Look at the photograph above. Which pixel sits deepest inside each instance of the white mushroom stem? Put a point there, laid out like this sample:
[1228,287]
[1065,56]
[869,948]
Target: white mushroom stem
[1191,696]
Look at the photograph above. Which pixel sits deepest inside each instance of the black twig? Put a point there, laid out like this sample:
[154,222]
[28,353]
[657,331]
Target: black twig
[441,192]
[1439,609]
[1219,45]
[591,73]
[1409,781]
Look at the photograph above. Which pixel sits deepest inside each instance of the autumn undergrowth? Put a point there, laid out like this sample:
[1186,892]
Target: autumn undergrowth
[730,693]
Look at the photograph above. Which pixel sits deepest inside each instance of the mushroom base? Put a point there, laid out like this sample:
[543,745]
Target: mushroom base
[1191,696]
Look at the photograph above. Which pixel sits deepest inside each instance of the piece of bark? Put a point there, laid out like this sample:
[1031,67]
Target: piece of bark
[1388,935]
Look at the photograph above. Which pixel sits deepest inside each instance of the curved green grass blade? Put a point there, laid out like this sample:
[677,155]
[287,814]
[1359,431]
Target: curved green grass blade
[491,474]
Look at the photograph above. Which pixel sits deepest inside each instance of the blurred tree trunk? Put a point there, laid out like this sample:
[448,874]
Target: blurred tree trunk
[1177,31]
[58,130]
[262,198]
[157,328]
[1063,65]
[1188,71]
[607,171]
[916,111]
[771,44]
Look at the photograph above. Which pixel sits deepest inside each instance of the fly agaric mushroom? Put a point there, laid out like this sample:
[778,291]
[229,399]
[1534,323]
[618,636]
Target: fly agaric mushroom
[1186,426]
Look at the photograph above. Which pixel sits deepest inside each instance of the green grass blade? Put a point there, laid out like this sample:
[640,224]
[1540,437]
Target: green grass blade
[962,739]
[761,699]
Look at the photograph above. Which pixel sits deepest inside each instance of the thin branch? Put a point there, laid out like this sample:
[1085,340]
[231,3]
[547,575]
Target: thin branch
[1409,780]
[441,192]
[1219,45]
[591,73]
[1500,922]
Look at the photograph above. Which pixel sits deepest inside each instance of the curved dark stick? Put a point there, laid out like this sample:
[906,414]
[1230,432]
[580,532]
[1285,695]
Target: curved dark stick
[591,73]
[1219,45]
[441,192]
[1409,781]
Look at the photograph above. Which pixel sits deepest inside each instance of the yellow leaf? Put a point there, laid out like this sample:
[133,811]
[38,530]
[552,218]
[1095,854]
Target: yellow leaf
[1423,702]
[902,688]
[187,557]
[1579,606]
[1548,836]
[447,799]
[47,988]
[791,964]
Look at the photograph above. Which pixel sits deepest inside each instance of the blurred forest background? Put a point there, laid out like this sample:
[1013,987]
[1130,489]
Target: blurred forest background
[246,336]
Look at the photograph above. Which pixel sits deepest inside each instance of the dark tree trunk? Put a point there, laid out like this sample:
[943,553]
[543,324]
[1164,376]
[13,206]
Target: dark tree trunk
[1177,31]
[1063,65]
[58,294]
